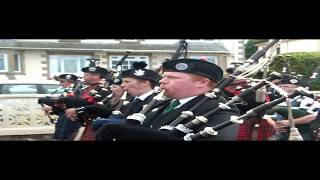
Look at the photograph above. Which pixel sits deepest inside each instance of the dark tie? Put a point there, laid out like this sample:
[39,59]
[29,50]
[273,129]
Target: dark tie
[171,106]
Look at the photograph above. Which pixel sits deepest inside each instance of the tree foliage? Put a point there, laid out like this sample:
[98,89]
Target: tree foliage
[303,63]
[251,48]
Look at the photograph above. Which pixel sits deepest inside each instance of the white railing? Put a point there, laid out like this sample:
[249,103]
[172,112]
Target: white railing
[22,115]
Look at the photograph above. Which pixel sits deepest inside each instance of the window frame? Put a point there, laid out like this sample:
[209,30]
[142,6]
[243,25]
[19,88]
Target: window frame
[19,63]
[60,60]
[5,62]
[129,59]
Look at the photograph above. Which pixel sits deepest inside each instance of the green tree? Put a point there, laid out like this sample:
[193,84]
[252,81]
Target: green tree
[251,48]
[303,63]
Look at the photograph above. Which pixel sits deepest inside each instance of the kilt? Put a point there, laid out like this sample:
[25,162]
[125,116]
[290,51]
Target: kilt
[89,134]
[265,130]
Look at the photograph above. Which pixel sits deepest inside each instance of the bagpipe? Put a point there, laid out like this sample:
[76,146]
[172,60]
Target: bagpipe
[114,71]
[102,95]
[70,99]
[123,101]
[81,103]
[182,129]
[102,98]
[182,49]
[212,131]
[207,132]
[253,60]
[71,91]
[300,110]
[75,89]
[97,95]
[241,71]
[287,111]
[297,112]
[106,99]
[139,118]
[49,102]
[249,67]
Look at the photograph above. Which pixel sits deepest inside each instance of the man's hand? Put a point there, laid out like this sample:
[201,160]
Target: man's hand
[270,121]
[71,113]
[281,126]
[47,109]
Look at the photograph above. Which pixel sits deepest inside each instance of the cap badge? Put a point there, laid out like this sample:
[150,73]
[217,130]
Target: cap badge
[181,66]
[139,72]
[92,69]
[293,81]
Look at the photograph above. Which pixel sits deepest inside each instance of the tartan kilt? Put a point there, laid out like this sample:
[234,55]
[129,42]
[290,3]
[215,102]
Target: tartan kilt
[265,130]
[89,134]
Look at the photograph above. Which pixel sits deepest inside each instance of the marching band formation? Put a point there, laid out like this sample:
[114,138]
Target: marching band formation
[185,100]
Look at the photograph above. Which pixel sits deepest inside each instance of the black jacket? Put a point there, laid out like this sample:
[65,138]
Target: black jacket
[156,119]
[135,107]
[105,110]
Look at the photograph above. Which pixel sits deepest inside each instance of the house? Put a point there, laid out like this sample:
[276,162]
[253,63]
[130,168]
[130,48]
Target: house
[292,45]
[236,47]
[42,59]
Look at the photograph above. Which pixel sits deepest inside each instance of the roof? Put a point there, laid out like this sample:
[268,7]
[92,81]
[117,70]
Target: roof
[203,47]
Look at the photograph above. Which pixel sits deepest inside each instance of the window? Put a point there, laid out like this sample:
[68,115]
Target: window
[3,62]
[212,59]
[127,64]
[30,89]
[60,64]
[52,88]
[19,89]
[17,63]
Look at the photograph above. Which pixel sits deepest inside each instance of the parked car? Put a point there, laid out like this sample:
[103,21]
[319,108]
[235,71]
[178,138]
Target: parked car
[30,87]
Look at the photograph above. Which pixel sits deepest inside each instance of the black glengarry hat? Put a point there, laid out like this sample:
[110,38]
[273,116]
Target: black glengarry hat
[139,71]
[69,77]
[194,66]
[95,69]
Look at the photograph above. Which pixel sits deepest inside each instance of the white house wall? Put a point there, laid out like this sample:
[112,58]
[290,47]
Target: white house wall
[300,46]
[36,62]
[289,46]
[34,65]
[157,59]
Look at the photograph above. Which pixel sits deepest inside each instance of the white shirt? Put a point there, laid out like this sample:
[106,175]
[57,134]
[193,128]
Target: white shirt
[144,96]
[185,100]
